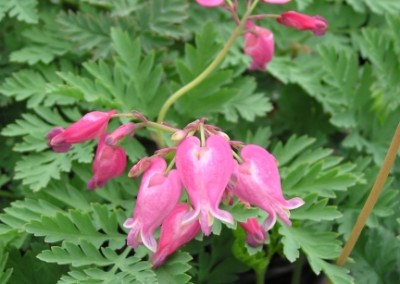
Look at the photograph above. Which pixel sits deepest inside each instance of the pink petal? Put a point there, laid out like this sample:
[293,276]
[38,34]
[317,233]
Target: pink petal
[174,234]
[205,172]
[108,163]
[277,1]
[158,194]
[259,45]
[258,183]
[90,126]
[210,3]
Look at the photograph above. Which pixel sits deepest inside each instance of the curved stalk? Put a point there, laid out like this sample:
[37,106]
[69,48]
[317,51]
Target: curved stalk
[213,65]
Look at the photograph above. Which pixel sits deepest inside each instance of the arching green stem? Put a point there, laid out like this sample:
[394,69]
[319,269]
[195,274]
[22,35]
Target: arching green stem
[213,65]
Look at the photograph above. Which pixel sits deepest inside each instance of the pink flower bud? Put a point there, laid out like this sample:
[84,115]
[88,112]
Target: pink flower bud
[61,147]
[257,182]
[119,133]
[255,234]
[174,234]
[291,19]
[157,197]
[205,172]
[178,135]
[109,162]
[90,126]
[139,167]
[210,3]
[277,1]
[259,45]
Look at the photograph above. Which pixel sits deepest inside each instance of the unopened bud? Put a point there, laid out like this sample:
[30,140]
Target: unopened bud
[119,133]
[140,167]
[178,136]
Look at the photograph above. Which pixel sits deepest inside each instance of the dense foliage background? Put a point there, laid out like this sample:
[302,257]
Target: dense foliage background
[327,108]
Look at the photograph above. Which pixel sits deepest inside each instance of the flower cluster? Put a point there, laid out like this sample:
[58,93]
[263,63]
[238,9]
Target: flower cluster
[259,41]
[208,168]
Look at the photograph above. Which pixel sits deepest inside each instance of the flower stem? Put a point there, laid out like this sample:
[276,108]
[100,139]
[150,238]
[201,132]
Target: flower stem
[260,276]
[213,65]
[372,198]
[161,127]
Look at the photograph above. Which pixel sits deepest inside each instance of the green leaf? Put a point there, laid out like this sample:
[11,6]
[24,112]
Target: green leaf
[43,273]
[164,18]
[77,255]
[88,32]
[316,210]
[5,274]
[375,257]
[175,268]
[46,45]
[143,77]
[32,85]
[120,8]
[23,10]
[3,11]
[378,7]
[337,274]
[21,212]
[294,146]
[219,261]
[322,245]
[245,103]
[74,227]
[37,170]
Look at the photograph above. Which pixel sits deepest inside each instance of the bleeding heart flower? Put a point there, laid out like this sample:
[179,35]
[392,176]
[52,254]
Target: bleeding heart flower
[257,182]
[174,234]
[205,172]
[255,234]
[210,3]
[90,126]
[61,147]
[158,195]
[292,19]
[259,45]
[109,162]
[277,1]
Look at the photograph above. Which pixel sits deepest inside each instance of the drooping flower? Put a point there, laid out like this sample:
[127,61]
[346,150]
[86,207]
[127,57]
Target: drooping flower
[119,133]
[174,234]
[257,182]
[109,162]
[205,172]
[210,3]
[277,1]
[158,195]
[90,126]
[259,45]
[292,19]
[61,147]
[255,234]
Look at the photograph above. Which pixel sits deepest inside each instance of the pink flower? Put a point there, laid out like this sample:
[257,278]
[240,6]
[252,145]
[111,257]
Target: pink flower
[291,19]
[90,126]
[205,172]
[109,162]
[174,234]
[277,1]
[119,133]
[210,3]
[257,182]
[157,197]
[61,147]
[255,234]
[259,45]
